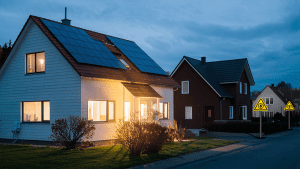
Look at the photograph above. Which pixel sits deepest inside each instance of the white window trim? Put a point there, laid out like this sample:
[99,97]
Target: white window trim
[188,86]
[245,87]
[244,108]
[270,100]
[265,100]
[241,87]
[107,111]
[185,112]
[230,112]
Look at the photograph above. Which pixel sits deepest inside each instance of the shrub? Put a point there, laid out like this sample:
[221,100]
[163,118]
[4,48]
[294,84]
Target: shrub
[69,130]
[146,135]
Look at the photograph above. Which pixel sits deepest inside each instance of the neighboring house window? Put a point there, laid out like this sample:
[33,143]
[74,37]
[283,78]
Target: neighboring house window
[35,62]
[244,112]
[101,110]
[38,111]
[245,88]
[271,100]
[267,100]
[184,87]
[188,112]
[230,112]
[241,85]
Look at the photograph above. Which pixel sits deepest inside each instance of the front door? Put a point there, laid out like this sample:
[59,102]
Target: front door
[209,113]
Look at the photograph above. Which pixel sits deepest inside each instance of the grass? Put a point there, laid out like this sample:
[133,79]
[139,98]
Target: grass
[25,156]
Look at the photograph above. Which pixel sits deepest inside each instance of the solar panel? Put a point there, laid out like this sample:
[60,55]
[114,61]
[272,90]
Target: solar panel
[82,47]
[137,56]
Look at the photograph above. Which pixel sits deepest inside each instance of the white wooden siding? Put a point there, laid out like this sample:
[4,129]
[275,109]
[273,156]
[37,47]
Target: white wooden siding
[60,84]
[277,106]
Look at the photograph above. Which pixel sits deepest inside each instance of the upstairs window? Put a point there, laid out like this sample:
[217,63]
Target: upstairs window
[35,62]
[184,87]
[245,88]
[124,63]
[271,100]
[241,87]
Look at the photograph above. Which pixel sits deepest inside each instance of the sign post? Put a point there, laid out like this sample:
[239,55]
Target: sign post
[260,106]
[289,107]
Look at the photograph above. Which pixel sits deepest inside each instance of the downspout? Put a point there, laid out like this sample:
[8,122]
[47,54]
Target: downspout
[221,109]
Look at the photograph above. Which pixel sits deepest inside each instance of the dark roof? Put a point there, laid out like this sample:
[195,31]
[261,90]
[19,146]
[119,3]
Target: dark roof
[140,90]
[280,94]
[227,70]
[206,71]
[131,75]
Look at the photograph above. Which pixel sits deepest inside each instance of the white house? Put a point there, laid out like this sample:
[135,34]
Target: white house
[274,99]
[55,70]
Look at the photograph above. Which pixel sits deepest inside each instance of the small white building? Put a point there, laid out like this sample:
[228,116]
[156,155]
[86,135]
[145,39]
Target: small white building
[274,99]
[56,70]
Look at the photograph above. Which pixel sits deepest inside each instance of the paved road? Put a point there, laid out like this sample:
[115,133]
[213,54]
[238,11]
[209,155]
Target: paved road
[277,153]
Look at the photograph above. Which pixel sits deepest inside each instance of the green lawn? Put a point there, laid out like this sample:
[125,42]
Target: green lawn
[25,156]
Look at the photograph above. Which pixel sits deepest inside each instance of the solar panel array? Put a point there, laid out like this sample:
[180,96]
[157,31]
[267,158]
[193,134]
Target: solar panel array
[137,56]
[82,47]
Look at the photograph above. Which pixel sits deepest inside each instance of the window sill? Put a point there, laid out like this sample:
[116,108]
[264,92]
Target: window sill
[38,122]
[102,122]
[36,73]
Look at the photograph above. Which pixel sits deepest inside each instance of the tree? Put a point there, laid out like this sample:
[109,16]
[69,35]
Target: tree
[4,52]
[282,84]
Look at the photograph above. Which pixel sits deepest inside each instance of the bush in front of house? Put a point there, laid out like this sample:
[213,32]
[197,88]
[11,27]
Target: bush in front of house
[68,131]
[145,135]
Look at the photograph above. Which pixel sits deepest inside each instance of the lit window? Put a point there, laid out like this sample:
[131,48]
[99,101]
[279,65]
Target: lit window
[166,111]
[143,110]
[188,112]
[245,84]
[35,62]
[230,112]
[209,113]
[241,85]
[36,111]
[185,87]
[127,111]
[101,110]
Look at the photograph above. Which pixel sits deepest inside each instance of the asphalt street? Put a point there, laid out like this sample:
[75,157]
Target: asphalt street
[276,153]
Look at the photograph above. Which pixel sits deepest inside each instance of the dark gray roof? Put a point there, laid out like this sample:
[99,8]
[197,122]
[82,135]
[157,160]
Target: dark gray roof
[280,94]
[227,70]
[206,72]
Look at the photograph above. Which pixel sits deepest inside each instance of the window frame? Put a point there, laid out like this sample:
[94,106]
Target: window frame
[230,112]
[244,108]
[188,87]
[241,87]
[42,112]
[34,63]
[107,111]
[272,100]
[185,112]
[245,88]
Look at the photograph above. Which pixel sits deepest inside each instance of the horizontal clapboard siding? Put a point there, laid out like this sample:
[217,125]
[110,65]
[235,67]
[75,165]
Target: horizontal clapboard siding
[60,84]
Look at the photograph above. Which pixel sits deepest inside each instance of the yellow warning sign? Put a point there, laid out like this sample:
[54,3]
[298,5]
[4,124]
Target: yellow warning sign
[260,106]
[289,107]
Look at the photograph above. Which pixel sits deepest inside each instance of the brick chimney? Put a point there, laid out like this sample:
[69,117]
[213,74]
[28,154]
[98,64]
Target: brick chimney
[203,60]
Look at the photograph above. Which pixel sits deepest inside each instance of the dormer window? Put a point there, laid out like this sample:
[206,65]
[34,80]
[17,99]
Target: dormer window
[124,63]
[35,62]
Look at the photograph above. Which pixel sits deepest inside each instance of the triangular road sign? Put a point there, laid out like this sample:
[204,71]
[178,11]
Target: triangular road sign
[260,106]
[289,107]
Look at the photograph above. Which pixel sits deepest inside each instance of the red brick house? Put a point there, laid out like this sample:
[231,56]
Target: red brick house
[211,91]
